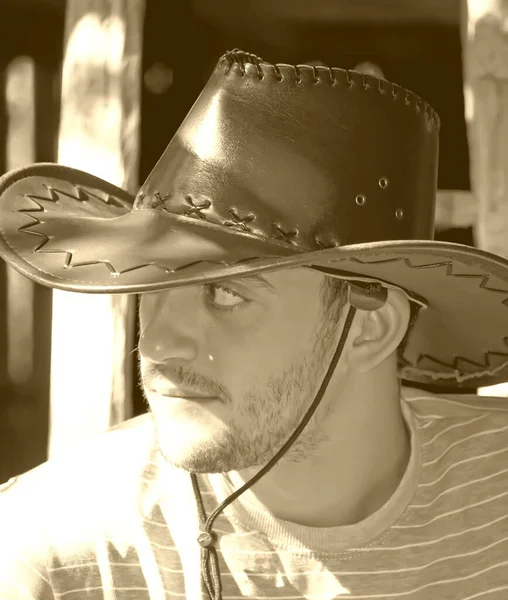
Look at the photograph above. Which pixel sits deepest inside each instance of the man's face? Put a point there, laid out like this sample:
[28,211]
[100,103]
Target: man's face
[251,353]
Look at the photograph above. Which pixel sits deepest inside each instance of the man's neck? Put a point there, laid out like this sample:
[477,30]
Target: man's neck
[347,477]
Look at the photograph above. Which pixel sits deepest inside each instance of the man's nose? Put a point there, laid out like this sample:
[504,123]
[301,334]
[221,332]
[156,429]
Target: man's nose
[169,327]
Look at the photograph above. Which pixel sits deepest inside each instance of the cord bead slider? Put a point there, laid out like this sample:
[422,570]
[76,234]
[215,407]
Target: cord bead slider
[206,539]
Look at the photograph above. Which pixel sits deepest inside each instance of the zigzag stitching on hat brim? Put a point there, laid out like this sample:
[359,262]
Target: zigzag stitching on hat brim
[68,264]
[111,200]
[486,367]
[449,272]
[458,377]
[81,196]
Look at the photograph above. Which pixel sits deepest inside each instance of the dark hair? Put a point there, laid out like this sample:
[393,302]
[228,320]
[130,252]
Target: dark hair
[334,297]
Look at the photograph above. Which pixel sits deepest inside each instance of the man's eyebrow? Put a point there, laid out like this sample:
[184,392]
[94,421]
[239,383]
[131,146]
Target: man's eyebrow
[255,281]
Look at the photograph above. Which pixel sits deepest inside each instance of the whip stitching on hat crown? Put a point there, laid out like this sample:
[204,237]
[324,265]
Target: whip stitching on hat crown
[333,76]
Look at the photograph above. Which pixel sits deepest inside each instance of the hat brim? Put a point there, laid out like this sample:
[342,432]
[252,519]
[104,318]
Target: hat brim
[69,230]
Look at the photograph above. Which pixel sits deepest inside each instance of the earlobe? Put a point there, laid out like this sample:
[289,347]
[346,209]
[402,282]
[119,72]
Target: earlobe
[379,332]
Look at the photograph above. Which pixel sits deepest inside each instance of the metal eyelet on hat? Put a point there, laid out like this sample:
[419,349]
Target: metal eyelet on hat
[399,213]
[383,182]
[360,199]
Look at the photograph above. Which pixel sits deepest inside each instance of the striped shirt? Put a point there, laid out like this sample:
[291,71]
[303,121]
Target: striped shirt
[109,522]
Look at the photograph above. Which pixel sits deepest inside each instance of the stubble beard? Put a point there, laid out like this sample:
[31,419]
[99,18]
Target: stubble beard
[265,419]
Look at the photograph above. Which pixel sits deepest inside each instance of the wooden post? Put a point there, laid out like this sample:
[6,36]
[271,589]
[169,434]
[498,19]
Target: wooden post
[455,208]
[485,59]
[93,335]
[20,152]
[484,30]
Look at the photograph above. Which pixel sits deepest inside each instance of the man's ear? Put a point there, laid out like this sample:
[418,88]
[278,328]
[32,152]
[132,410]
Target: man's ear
[378,333]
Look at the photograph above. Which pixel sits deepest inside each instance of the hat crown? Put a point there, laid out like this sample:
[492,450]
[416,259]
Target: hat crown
[303,156]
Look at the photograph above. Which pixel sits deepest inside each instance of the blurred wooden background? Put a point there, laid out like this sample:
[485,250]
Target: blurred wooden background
[153,57]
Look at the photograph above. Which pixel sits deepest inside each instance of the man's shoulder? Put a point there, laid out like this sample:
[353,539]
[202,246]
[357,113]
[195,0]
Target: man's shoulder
[87,485]
[107,453]
[426,404]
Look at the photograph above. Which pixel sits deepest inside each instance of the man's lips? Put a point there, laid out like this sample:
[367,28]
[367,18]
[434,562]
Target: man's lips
[180,393]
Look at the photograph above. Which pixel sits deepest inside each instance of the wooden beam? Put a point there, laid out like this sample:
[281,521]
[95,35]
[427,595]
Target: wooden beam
[93,335]
[445,12]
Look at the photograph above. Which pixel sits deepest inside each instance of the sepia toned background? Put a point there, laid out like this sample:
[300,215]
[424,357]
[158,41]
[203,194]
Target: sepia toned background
[102,85]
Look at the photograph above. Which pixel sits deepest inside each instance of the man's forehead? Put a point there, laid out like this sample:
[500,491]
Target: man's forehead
[273,281]
[299,275]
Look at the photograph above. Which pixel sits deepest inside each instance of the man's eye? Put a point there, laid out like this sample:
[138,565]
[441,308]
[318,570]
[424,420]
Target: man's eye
[223,298]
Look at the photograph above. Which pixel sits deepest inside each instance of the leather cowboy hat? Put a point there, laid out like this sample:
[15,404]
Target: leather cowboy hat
[277,166]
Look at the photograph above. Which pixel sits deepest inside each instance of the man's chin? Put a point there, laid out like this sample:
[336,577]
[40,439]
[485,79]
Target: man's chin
[208,458]
[195,459]
[194,448]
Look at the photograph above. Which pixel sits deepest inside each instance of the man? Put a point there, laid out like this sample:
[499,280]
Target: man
[282,249]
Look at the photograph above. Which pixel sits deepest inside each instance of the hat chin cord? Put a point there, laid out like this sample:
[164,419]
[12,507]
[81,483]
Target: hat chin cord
[364,297]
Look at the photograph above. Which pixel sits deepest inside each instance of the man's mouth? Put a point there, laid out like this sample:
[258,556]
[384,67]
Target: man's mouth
[185,394]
